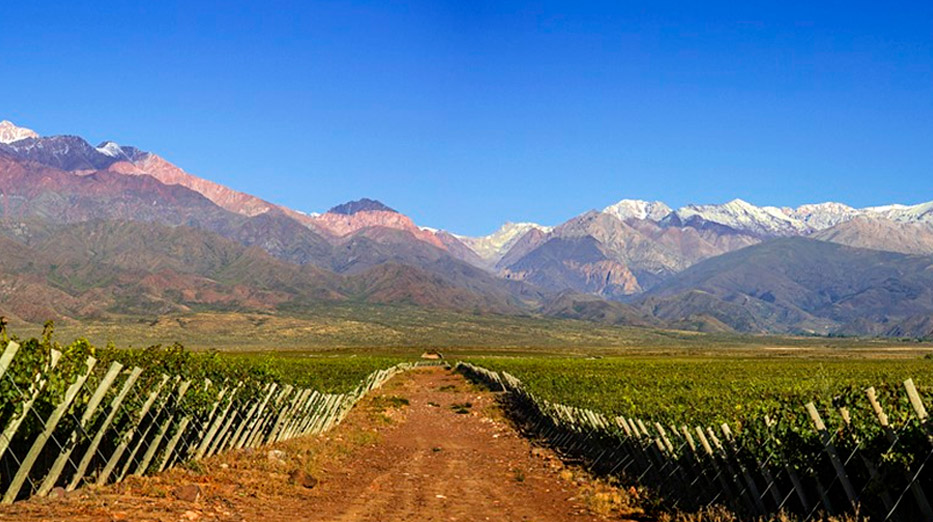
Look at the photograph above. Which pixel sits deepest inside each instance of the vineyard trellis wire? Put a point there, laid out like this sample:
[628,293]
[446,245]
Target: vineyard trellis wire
[65,420]
[797,464]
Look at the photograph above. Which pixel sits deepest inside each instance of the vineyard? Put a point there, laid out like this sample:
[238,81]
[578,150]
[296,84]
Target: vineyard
[760,436]
[713,389]
[72,415]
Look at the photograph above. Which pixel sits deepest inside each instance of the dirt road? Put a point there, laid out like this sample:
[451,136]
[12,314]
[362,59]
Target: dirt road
[427,447]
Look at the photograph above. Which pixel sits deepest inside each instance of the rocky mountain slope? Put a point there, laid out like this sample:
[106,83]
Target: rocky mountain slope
[881,234]
[801,285]
[653,242]
[99,269]
[146,236]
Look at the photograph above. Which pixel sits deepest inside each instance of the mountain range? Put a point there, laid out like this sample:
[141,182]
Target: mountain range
[111,230]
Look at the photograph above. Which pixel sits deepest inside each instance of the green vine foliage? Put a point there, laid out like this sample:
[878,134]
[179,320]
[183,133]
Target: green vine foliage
[244,378]
[762,400]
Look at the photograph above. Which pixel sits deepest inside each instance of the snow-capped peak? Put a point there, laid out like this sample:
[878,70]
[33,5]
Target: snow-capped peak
[638,209]
[497,244]
[10,132]
[109,148]
[820,216]
[826,215]
[743,216]
[922,212]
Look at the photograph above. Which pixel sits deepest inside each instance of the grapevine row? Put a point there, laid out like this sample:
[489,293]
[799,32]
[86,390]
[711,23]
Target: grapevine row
[790,461]
[71,416]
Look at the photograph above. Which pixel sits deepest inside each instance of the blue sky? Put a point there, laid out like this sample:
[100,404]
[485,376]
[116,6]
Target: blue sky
[467,114]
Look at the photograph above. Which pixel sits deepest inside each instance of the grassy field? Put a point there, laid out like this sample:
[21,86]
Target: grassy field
[395,330]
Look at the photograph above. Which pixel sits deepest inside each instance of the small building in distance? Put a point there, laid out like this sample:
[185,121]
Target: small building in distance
[433,355]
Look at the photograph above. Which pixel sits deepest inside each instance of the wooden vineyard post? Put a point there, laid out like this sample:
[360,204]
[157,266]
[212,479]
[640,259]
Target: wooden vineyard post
[321,413]
[154,444]
[879,412]
[144,435]
[321,417]
[620,447]
[316,406]
[294,429]
[222,441]
[689,459]
[95,443]
[771,484]
[221,437]
[700,485]
[50,424]
[749,480]
[699,470]
[257,432]
[214,422]
[312,414]
[170,447]
[609,448]
[300,415]
[919,496]
[210,424]
[257,437]
[917,405]
[869,465]
[711,457]
[38,384]
[743,492]
[334,412]
[672,459]
[633,446]
[915,401]
[242,433]
[56,470]
[830,449]
[8,354]
[286,415]
[646,461]
[732,490]
[780,500]
[239,417]
[339,406]
[128,436]
[650,446]
[798,487]
[317,401]
[234,440]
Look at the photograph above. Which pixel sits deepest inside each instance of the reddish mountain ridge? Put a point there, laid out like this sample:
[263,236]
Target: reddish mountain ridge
[338,225]
[75,155]
[343,225]
[148,164]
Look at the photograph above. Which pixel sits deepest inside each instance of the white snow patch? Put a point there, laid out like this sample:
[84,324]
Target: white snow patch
[10,133]
[638,209]
[494,246]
